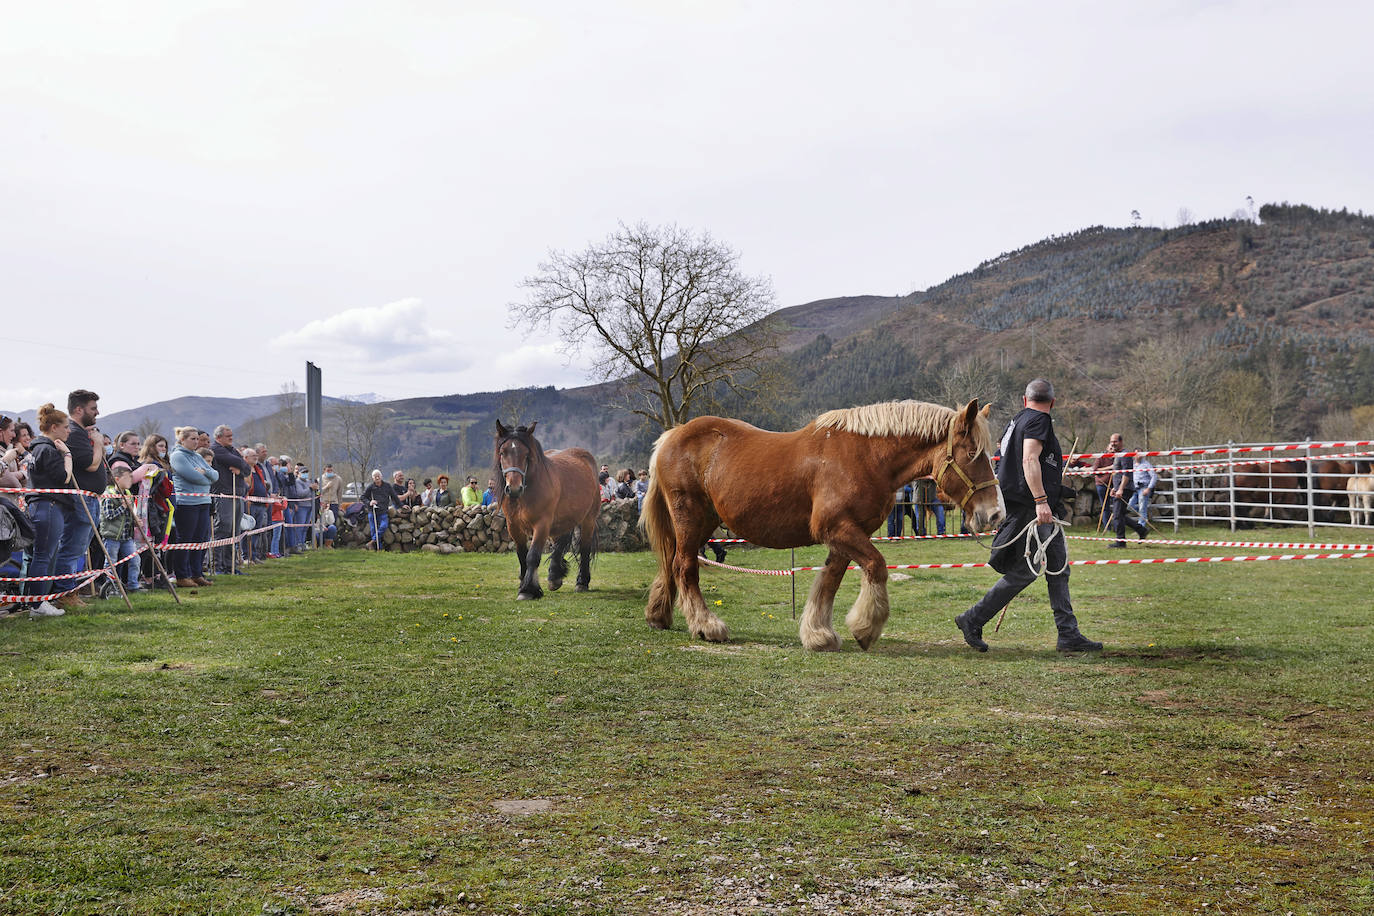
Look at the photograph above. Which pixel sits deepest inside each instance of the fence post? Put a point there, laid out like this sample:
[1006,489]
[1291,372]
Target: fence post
[1173,486]
[1311,495]
[793,577]
[1231,478]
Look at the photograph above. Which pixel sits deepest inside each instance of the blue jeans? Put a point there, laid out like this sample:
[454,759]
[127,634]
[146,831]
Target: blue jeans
[117,550]
[1140,502]
[938,508]
[379,524]
[50,521]
[894,521]
[76,539]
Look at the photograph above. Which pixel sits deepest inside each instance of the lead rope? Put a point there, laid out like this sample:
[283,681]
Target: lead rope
[1035,555]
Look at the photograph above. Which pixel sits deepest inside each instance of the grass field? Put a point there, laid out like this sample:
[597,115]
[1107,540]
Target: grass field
[348,732]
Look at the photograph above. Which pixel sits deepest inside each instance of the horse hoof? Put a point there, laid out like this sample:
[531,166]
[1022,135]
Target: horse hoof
[555,585]
[582,587]
[529,596]
[715,633]
[864,642]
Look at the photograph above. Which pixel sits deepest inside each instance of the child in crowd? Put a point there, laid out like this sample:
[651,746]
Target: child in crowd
[117,525]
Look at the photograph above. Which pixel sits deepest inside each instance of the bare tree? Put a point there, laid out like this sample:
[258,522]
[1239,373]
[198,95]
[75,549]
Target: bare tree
[666,311]
[287,431]
[149,426]
[361,431]
[976,377]
[1185,216]
[1165,407]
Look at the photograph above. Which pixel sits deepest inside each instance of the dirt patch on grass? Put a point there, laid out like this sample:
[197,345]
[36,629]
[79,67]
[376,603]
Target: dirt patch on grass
[520,807]
[1024,715]
[729,649]
[348,901]
[1162,699]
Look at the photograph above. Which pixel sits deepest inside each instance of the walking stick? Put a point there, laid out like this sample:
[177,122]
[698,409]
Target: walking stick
[109,567]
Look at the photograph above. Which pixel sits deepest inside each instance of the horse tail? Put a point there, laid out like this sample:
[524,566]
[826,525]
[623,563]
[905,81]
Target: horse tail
[657,523]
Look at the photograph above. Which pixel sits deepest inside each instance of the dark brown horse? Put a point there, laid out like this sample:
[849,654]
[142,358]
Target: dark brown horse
[831,483]
[547,495]
[1273,489]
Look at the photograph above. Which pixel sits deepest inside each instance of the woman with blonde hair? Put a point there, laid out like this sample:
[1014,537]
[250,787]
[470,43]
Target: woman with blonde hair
[52,513]
[191,476]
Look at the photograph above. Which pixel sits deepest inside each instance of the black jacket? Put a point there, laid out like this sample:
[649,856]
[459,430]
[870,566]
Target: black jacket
[50,471]
[228,484]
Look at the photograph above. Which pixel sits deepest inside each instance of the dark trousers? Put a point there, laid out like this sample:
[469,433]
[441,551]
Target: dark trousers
[1019,576]
[1120,521]
[226,520]
[192,527]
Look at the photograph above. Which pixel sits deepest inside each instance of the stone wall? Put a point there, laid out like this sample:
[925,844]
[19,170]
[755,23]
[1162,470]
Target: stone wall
[482,529]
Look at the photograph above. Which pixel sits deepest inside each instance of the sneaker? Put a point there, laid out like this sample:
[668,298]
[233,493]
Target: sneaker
[43,609]
[1077,643]
[71,602]
[973,634]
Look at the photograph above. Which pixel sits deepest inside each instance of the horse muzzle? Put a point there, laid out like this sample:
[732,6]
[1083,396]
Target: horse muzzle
[989,511]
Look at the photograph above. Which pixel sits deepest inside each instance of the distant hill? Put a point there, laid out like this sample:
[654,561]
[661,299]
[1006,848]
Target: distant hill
[200,412]
[1221,329]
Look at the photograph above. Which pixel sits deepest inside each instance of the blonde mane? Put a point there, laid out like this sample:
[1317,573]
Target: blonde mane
[902,418]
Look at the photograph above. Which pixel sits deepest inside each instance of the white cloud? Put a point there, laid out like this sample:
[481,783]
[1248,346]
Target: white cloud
[396,337]
[28,399]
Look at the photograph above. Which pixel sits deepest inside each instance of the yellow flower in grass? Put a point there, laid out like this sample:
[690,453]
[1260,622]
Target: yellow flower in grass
[719,602]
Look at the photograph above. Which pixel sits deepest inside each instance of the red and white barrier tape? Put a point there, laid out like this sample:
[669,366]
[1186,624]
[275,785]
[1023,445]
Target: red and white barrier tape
[1259,545]
[1192,468]
[1124,561]
[1223,450]
[72,491]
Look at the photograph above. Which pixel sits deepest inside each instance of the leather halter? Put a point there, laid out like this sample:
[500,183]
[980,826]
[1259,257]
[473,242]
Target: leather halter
[968,482]
[523,472]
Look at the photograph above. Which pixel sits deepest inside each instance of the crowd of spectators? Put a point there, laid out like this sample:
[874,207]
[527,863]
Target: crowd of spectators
[184,510]
[79,501]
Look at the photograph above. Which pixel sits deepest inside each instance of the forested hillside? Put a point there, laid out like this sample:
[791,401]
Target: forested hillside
[1228,329]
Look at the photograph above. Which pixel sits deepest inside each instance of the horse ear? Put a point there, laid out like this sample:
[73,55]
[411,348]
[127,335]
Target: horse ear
[532,426]
[501,431]
[970,413]
[986,411]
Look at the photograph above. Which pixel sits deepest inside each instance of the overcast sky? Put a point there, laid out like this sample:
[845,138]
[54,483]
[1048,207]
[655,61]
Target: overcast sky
[199,196]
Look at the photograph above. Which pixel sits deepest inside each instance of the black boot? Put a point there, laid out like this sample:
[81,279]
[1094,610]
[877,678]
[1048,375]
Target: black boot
[973,632]
[1077,642]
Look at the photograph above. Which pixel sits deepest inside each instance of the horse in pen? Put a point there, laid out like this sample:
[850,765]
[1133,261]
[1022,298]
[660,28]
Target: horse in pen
[830,483]
[547,495]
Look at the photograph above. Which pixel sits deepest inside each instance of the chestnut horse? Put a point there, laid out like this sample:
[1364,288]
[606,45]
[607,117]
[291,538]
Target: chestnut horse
[831,483]
[547,495]
[1274,489]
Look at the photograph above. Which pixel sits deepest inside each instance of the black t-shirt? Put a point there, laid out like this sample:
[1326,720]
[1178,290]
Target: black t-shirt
[79,444]
[1123,465]
[1029,424]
